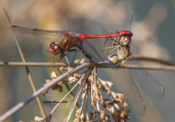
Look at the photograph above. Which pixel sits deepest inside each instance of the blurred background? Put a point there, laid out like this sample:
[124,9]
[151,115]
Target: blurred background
[152,26]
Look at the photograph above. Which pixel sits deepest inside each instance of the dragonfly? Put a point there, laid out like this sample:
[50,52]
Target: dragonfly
[119,51]
[70,40]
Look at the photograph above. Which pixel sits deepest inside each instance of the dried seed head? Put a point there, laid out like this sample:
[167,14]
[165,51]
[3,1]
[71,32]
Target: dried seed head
[62,68]
[90,78]
[86,88]
[102,98]
[38,119]
[83,96]
[65,68]
[76,120]
[76,75]
[106,118]
[55,87]
[125,104]
[100,86]
[60,83]
[93,101]
[122,120]
[87,118]
[47,81]
[116,106]
[122,114]
[102,114]
[112,110]
[82,117]
[82,61]
[60,88]
[110,84]
[119,97]
[53,75]
[115,95]
[128,117]
[78,112]
[72,79]
[77,61]
[108,91]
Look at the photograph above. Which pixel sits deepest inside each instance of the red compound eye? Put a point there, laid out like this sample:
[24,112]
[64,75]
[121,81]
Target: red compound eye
[54,48]
[128,39]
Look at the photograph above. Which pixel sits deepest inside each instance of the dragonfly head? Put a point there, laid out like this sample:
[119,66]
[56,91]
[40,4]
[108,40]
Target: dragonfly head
[124,40]
[54,48]
[125,37]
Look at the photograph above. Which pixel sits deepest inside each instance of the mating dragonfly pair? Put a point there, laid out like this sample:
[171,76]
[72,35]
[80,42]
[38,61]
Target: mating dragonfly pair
[119,51]
[120,43]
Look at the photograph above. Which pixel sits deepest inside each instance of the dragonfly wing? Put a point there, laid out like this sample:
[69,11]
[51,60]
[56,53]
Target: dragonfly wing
[35,30]
[93,49]
[39,34]
[150,84]
[125,82]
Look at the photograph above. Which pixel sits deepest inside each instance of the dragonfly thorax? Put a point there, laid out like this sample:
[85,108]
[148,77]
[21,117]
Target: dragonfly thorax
[121,53]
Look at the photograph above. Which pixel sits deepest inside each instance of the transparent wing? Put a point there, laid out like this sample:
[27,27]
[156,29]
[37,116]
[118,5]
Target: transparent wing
[35,30]
[134,94]
[147,82]
[152,87]
[126,84]
[39,34]
[91,47]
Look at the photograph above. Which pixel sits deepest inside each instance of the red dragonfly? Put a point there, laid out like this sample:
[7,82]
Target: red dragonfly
[121,45]
[69,40]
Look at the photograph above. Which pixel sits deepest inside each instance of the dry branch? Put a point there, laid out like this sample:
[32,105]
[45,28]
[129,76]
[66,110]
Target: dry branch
[39,91]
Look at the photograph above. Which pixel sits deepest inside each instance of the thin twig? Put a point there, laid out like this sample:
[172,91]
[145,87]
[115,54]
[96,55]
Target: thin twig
[57,105]
[129,66]
[68,88]
[78,93]
[150,59]
[26,68]
[53,64]
[40,91]
[32,64]
[141,67]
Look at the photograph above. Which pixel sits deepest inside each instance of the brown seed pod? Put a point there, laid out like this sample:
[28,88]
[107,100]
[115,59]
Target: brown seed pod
[77,61]
[82,117]
[82,61]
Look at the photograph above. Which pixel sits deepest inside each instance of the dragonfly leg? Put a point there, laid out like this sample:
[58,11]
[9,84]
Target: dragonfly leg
[73,50]
[124,62]
[113,58]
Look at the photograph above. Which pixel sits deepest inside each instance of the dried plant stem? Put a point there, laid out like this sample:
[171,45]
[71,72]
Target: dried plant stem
[75,101]
[166,65]
[68,88]
[32,64]
[46,64]
[53,64]
[41,90]
[26,67]
[164,68]
[57,105]
[150,59]
[132,66]
[78,93]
